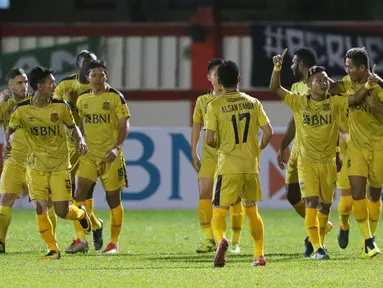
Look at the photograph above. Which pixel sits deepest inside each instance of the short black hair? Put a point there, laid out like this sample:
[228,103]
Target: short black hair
[316,69]
[38,75]
[359,56]
[97,64]
[214,62]
[307,56]
[84,53]
[13,73]
[228,73]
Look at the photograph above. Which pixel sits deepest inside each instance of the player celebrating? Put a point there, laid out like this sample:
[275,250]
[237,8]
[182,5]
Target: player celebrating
[105,122]
[206,168]
[232,124]
[364,147]
[43,120]
[317,129]
[69,89]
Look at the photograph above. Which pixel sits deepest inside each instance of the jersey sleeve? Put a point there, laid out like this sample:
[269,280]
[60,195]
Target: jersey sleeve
[15,121]
[263,119]
[344,84]
[60,91]
[197,114]
[341,102]
[79,107]
[211,118]
[121,108]
[68,119]
[292,99]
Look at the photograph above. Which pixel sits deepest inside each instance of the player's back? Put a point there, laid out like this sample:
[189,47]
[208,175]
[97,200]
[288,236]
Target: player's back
[239,117]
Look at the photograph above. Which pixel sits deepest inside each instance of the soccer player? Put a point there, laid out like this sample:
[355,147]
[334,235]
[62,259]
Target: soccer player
[317,129]
[105,121]
[364,147]
[69,89]
[232,123]
[42,120]
[206,168]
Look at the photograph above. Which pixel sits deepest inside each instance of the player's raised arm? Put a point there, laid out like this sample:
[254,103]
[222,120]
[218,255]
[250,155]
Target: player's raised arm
[275,81]
[362,93]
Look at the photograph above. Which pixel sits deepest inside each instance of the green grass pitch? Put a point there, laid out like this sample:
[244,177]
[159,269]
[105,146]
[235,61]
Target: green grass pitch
[157,249]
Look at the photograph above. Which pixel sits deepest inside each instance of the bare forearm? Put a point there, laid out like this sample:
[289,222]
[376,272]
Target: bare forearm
[265,140]
[275,81]
[123,133]
[289,135]
[196,131]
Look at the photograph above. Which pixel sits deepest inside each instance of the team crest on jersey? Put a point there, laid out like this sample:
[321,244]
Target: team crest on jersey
[106,106]
[31,118]
[326,107]
[54,117]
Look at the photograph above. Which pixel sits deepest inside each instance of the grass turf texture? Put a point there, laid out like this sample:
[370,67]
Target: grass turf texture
[157,248]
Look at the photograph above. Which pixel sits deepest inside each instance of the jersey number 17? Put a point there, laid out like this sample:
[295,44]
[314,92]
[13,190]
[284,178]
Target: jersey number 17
[235,126]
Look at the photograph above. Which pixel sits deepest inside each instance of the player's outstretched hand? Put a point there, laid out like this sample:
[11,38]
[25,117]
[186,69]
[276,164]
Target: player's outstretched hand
[281,159]
[196,162]
[111,155]
[278,59]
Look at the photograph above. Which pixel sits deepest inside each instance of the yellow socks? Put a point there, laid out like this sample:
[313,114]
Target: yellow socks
[218,223]
[361,216]
[237,217]
[205,213]
[300,208]
[256,230]
[116,220]
[46,231]
[323,219]
[53,217]
[89,205]
[80,234]
[344,211]
[312,227]
[374,211]
[5,220]
[74,213]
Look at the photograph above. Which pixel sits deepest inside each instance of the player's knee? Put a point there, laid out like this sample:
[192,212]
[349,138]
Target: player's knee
[293,193]
[7,199]
[311,202]
[90,192]
[113,198]
[205,188]
[40,206]
[374,194]
[324,208]
[249,204]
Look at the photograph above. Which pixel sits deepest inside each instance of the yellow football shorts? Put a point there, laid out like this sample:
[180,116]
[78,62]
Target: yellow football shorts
[43,185]
[13,177]
[228,187]
[317,179]
[208,165]
[365,163]
[292,167]
[113,175]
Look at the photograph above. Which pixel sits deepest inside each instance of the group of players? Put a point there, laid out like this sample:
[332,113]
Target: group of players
[58,142]
[338,131]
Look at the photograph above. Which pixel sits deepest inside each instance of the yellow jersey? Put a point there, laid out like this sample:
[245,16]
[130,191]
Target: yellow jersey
[44,133]
[316,123]
[19,151]
[236,118]
[199,116]
[299,88]
[365,127]
[100,115]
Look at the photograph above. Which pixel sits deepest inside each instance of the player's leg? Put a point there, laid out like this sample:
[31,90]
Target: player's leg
[113,178]
[358,171]
[89,205]
[375,181]
[205,206]
[344,210]
[293,191]
[86,177]
[252,193]
[52,214]
[309,179]
[12,180]
[237,218]
[227,189]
